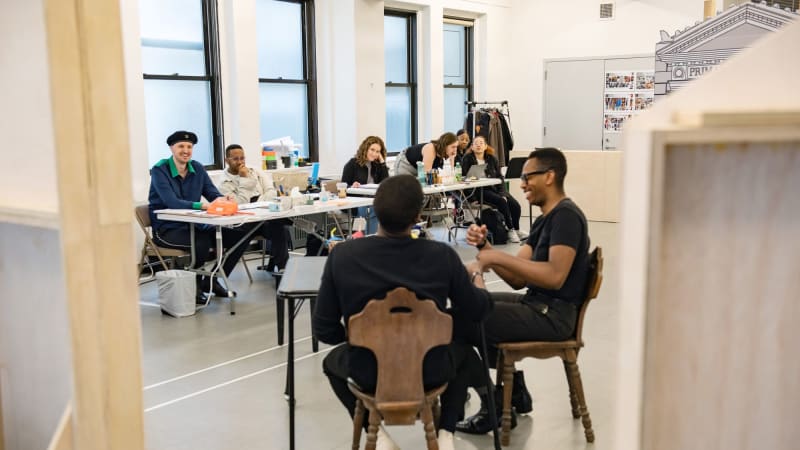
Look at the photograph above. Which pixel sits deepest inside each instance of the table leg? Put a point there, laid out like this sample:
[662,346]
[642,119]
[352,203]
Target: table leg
[218,268]
[290,372]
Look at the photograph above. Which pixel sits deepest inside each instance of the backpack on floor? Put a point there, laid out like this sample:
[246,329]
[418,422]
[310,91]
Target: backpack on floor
[498,231]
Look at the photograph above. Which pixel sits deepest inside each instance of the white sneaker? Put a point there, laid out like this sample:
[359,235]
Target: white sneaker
[445,440]
[385,441]
[522,235]
[513,237]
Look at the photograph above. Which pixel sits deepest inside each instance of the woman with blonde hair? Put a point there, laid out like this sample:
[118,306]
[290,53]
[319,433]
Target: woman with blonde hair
[369,164]
[496,196]
[432,155]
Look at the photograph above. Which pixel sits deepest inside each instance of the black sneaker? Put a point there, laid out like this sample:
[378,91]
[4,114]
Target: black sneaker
[220,291]
[480,423]
[200,298]
[521,399]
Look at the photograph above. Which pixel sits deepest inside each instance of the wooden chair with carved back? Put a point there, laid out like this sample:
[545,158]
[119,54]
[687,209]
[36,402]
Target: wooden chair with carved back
[511,352]
[400,321]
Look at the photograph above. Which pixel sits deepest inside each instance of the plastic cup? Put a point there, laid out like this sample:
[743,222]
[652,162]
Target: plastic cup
[342,189]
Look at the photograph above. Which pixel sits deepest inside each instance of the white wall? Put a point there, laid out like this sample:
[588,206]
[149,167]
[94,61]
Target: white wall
[512,37]
[635,30]
[28,172]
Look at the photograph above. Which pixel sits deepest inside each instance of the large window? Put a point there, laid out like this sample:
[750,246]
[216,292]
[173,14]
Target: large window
[181,76]
[399,36]
[286,72]
[457,71]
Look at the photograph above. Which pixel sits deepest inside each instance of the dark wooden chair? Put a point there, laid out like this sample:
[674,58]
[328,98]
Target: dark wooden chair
[399,330]
[511,352]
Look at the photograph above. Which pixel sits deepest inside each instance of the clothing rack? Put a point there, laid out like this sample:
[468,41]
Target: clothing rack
[501,107]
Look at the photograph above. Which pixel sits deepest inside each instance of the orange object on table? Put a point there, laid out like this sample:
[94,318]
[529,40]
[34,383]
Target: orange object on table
[222,207]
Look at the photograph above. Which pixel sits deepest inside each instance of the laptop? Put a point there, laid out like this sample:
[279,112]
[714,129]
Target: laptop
[477,171]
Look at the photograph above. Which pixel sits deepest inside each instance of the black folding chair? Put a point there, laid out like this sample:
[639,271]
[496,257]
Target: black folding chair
[513,172]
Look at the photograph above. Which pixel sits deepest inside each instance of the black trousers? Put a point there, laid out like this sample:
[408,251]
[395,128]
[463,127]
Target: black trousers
[204,241]
[505,203]
[275,231]
[515,320]
[337,368]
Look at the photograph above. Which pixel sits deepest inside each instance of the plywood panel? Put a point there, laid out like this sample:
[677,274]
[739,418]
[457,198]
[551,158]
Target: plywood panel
[721,366]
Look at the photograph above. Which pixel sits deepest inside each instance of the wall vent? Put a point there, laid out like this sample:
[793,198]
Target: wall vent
[606,10]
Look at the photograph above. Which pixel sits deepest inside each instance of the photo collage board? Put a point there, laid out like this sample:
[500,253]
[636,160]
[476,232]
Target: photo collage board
[627,93]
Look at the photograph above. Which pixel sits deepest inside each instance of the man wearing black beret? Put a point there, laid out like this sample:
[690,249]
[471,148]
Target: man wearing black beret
[178,182]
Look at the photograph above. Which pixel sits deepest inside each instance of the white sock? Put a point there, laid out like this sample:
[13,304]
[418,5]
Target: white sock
[385,441]
[445,440]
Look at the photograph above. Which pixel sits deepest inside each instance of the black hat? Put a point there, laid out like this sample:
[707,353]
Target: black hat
[179,136]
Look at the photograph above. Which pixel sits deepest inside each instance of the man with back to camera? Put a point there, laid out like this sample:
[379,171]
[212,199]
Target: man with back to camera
[553,264]
[247,185]
[363,269]
[179,182]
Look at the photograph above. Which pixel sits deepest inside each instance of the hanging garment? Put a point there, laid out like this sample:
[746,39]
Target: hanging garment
[495,137]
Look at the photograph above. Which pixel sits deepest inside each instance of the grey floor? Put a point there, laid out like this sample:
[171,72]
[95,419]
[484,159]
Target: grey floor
[215,381]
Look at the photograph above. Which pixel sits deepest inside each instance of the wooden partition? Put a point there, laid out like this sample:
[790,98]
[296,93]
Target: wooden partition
[708,314]
[593,181]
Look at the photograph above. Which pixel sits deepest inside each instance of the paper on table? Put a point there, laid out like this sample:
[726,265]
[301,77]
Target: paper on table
[370,186]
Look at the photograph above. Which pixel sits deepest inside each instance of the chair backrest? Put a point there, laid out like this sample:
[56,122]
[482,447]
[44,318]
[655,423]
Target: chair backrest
[514,169]
[400,330]
[143,217]
[593,283]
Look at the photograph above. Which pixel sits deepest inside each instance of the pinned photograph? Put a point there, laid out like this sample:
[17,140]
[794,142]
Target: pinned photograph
[620,80]
[643,101]
[618,102]
[645,80]
[612,123]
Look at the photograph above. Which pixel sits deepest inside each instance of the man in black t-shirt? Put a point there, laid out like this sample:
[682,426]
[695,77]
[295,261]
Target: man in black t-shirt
[553,264]
[363,269]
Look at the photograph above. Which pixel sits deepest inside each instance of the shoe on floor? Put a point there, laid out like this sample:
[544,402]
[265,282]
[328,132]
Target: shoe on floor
[200,298]
[521,399]
[445,440]
[481,424]
[522,235]
[513,237]
[220,291]
[385,441]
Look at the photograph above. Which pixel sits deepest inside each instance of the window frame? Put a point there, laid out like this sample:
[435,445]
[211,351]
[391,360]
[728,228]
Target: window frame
[468,59]
[212,76]
[411,67]
[309,74]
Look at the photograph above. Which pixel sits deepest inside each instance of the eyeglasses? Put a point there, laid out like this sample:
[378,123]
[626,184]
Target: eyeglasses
[236,158]
[525,175]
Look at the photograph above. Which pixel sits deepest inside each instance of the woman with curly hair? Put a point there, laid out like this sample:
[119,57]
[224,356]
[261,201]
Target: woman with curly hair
[369,164]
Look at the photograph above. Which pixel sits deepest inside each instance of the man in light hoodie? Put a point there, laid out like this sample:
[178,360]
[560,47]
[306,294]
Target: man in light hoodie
[247,185]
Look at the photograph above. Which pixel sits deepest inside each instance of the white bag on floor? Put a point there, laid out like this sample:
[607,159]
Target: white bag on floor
[176,292]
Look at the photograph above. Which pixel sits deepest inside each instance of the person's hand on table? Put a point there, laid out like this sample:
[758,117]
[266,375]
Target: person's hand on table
[356,184]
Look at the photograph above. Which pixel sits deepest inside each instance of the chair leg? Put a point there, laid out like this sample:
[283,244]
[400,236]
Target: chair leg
[372,429]
[575,374]
[247,269]
[358,423]
[280,307]
[437,412]
[314,341]
[430,431]
[508,386]
[573,397]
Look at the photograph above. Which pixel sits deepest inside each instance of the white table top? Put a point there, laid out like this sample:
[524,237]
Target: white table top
[260,214]
[435,189]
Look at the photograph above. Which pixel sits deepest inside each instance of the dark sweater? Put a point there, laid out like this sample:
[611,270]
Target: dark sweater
[492,169]
[364,269]
[169,191]
[353,172]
